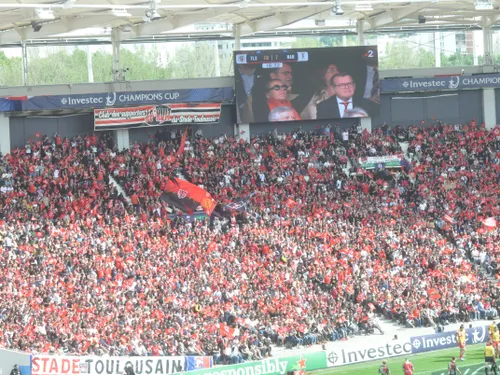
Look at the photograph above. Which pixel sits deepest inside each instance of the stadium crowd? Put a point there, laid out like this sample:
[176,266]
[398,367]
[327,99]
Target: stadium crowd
[321,247]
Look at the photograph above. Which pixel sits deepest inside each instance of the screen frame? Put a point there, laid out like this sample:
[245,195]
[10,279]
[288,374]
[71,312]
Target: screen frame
[352,60]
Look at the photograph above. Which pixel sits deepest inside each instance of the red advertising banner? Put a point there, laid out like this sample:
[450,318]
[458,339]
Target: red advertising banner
[156,115]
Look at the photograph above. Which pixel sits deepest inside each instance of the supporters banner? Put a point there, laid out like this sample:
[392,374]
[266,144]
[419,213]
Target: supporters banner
[443,340]
[190,218]
[188,197]
[156,115]
[116,99]
[273,366]
[62,365]
[457,82]
[9,358]
[240,205]
[373,162]
[354,353]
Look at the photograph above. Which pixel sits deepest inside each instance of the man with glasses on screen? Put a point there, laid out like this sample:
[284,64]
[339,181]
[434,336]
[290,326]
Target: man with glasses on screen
[285,75]
[343,102]
[257,101]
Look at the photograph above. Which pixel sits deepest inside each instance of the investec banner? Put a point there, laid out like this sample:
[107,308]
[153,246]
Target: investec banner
[274,366]
[439,83]
[144,116]
[354,353]
[62,365]
[445,340]
[389,161]
[116,99]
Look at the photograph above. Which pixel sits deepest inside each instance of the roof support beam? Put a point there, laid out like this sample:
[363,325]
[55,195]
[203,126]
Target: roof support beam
[490,21]
[391,16]
[280,19]
[52,28]
[171,23]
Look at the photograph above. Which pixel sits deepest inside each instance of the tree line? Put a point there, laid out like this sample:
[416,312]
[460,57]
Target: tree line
[196,60]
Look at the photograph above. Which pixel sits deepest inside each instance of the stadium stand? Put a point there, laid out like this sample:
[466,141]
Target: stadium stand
[320,247]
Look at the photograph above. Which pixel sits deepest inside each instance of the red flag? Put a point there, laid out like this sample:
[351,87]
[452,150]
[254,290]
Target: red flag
[85,346]
[29,327]
[490,222]
[180,151]
[365,135]
[449,219]
[188,197]
[225,330]
[169,159]
[290,203]
[38,135]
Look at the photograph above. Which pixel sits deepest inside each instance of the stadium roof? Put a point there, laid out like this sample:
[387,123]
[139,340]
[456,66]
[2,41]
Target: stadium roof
[69,20]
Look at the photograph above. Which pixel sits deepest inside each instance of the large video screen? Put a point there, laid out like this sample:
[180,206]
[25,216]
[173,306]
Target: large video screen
[307,84]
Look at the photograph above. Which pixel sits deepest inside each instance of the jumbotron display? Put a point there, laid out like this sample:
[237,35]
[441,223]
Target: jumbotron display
[307,84]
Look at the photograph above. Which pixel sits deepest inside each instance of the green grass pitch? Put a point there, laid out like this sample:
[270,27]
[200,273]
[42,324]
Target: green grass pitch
[431,363]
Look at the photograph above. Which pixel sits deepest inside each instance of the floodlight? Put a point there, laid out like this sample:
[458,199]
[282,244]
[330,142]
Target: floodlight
[44,14]
[483,4]
[364,7]
[120,13]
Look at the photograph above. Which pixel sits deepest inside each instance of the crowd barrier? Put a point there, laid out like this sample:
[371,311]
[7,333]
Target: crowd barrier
[91,365]
[444,340]
[355,353]
[94,365]
[271,366]
[349,353]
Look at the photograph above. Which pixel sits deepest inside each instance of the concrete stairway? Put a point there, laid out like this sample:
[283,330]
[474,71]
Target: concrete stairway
[119,189]
[404,146]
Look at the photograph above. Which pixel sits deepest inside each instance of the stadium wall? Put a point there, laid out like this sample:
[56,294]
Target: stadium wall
[497,104]
[84,88]
[24,128]
[94,365]
[333,356]
[450,107]
[403,108]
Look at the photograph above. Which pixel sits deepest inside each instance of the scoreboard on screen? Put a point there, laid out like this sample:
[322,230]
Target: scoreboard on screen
[271,59]
[305,71]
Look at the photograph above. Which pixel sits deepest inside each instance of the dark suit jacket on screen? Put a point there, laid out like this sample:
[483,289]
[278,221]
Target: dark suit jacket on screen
[330,109]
